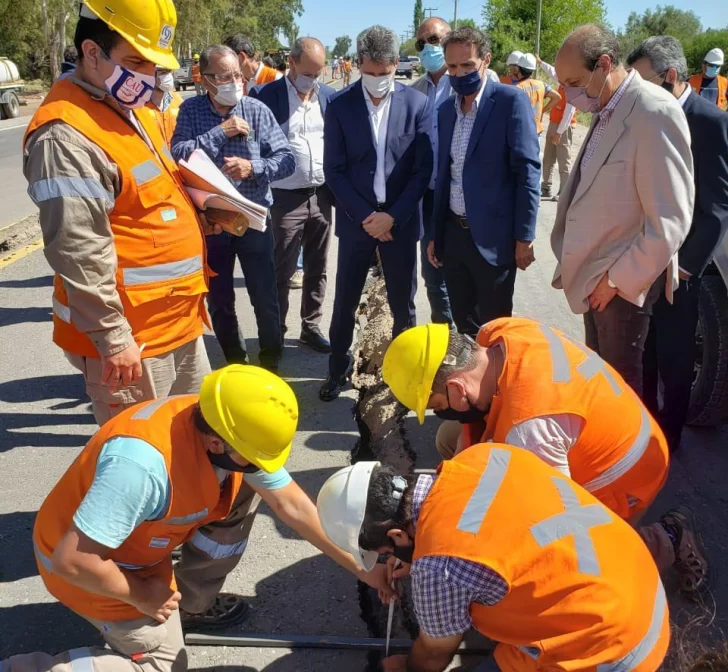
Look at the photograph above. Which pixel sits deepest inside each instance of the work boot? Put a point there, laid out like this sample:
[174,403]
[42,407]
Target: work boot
[270,360]
[315,339]
[235,355]
[332,388]
[545,191]
[227,610]
[690,562]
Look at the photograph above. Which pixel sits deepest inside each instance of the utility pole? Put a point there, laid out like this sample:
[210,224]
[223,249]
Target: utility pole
[455,17]
[538,27]
[431,9]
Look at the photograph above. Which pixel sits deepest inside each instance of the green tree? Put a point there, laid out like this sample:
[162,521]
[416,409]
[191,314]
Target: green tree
[342,46]
[669,20]
[292,35]
[408,47]
[419,16]
[467,22]
[696,48]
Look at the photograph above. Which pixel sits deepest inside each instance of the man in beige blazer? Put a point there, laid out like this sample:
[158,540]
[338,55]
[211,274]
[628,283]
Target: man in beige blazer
[628,204]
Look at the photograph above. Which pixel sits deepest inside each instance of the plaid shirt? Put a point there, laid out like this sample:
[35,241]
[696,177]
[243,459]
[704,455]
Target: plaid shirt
[267,148]
[443,588]
[459,148]
[603,122]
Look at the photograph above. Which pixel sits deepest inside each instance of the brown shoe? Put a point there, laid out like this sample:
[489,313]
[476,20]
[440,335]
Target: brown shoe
[227,610]
[690,562]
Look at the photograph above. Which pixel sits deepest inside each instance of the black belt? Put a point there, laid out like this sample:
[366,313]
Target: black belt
[461,221]
[304,191]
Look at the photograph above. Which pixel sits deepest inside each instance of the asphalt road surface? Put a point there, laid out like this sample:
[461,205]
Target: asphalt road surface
[45,420]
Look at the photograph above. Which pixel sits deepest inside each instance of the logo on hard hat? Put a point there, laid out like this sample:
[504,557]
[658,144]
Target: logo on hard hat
[165,36]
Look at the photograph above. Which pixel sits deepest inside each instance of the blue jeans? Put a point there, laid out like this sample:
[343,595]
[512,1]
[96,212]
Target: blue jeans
[433,278]
[254,250]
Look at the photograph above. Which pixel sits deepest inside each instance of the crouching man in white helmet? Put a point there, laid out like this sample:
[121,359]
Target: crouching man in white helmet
[546,570]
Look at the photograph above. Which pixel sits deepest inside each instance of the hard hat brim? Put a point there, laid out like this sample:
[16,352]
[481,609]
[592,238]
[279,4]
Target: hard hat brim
[274,464]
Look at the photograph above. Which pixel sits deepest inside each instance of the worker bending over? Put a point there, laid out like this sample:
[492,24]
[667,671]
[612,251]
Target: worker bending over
[150,479]
[526,384]
[546,570]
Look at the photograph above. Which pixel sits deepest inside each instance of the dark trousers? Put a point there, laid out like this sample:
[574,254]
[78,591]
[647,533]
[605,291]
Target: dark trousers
[619,332]
[302,219]
[254,250]
[399,263]
[669,356]
[434,278]
[478,291]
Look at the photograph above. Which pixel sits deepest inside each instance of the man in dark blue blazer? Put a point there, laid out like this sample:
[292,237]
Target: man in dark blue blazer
[487,188]
[378,162]
[302,203]
[670,349]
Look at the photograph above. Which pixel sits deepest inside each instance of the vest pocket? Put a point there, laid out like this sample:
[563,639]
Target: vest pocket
[164,217]
[161,287]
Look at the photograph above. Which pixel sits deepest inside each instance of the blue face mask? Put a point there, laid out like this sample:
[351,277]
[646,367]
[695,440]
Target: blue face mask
[467,84]
[433,57]
[712,71]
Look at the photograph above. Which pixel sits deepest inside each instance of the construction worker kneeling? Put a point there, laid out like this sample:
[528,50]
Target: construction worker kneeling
[150,479]
[504,543]
[526,384]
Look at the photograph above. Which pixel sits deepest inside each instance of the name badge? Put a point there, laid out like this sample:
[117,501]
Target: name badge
[169,215]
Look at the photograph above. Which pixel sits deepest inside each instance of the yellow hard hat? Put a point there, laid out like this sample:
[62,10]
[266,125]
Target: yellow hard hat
[196,57]
[411,362]
[148,25]
[253,410]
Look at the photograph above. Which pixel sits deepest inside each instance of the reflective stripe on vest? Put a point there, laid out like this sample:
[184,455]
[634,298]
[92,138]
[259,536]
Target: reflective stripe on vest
[482,498]
[167,153]
[81,660]
[63,312]
[161,272]
[628,460]
[148,410]
[576,520]
[216,550]
[186,520]
[145,172]
[69,187]
[640,652]
[43,559]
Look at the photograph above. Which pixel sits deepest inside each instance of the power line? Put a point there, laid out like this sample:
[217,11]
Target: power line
[431,9]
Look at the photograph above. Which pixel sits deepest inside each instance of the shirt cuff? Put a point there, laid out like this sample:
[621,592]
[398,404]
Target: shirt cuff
[217,136]
[684,272]
[258,167]
[113,341]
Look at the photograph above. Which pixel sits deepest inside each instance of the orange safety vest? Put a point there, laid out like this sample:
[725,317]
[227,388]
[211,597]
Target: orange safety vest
[196,499]
[506,79]
[696,83]
[621,455]
[584,593]
[266,75]
[195,72]
[167,120]
[161,272]
[536,92]
[556,113]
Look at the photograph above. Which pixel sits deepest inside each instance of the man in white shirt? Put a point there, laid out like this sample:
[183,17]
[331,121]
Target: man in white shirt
[301,211]
[378,163]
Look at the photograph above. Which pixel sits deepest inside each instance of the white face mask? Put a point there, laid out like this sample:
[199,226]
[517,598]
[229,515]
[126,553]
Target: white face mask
[165,82]
[304,83]
[230,94]
[378,87]
[130,89]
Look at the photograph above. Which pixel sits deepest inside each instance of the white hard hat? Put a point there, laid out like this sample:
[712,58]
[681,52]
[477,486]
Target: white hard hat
[514,57]
[714,57]
[341,504]
[527,61]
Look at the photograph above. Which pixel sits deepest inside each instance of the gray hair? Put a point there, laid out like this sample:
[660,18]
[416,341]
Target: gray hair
[301,44]
[214,50]
[594,41]
[378,44]
[663,52]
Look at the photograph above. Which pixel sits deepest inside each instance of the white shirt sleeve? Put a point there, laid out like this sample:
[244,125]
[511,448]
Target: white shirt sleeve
[550,70]
[550,437]
[569,113]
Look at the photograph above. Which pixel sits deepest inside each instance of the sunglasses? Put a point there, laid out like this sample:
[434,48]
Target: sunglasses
[433,39]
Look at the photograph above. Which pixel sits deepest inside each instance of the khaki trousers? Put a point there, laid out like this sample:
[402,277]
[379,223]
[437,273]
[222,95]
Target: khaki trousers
[560,153]
[177,372]
[654,535]
[142,645]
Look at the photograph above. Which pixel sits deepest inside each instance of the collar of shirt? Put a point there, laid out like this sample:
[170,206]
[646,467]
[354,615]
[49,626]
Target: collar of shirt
[684,95]
[423,485]
[476,102]
[293,93]
[443,82]
[611,105]
[236,109]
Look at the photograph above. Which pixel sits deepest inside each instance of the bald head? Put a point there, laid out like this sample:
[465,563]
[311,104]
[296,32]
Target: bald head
[590,43]
[433,26]
[308,57]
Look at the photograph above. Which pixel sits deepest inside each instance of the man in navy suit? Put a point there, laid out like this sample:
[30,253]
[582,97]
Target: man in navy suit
[378,162]
[670,349]
[301,211]
[487,188]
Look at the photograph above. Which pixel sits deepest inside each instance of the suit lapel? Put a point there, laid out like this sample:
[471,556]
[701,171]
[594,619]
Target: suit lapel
[484,109]
[284,110]
[394,128]
[446,130]
[360,114]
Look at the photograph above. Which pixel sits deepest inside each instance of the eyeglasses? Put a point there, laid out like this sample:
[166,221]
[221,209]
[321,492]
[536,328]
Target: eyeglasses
[662,74]
[420,44]
[225,78]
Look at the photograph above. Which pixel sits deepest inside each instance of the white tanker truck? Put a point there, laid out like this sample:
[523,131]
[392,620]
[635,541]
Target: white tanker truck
[11,85]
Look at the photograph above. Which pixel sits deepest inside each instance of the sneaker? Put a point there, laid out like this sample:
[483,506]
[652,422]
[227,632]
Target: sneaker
[332,388]
[315,339]
[296,281]
[690,562]
[227,610]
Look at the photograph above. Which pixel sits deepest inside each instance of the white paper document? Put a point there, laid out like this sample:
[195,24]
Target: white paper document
[209,188]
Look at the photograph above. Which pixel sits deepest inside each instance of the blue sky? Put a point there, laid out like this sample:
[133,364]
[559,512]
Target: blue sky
[328,19]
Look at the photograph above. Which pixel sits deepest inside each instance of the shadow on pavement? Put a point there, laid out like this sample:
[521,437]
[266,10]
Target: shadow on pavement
[17,430]
[28,283]
[9,316]
[63,386]
[17,534]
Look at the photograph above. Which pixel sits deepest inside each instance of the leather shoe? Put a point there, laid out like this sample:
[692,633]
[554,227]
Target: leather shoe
[315,339]
[270,360]
[332,388]
[235,355]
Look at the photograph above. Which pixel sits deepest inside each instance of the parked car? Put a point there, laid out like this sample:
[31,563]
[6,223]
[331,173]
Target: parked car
[183,76]
[405,67]
[11,86]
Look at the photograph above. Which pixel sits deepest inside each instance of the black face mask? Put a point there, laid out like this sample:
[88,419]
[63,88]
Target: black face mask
[404,553]
[226,462]
[668,86]
[473,414]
